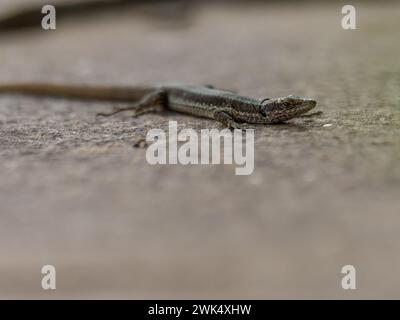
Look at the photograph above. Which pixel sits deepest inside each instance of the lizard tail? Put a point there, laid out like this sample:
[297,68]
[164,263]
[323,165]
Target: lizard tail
[107,93]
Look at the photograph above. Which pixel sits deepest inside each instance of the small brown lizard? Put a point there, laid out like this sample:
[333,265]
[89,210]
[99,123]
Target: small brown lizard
[224,106]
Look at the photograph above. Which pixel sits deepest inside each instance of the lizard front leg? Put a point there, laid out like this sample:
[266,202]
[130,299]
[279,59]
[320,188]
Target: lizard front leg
[153,102]
[317,113]
[224,118]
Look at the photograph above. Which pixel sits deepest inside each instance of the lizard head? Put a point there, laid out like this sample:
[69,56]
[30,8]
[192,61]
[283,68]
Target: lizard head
[285,108]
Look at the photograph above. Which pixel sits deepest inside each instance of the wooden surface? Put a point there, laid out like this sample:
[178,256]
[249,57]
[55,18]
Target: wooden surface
[74,193]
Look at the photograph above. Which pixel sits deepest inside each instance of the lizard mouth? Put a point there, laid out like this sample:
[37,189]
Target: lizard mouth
[307,105]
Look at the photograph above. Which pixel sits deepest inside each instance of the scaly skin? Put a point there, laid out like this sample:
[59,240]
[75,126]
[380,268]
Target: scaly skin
[227,107]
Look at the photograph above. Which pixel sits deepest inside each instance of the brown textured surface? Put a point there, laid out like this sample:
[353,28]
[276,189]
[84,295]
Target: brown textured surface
[75,193]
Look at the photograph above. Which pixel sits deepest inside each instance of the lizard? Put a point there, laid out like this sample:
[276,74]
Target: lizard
[227,107]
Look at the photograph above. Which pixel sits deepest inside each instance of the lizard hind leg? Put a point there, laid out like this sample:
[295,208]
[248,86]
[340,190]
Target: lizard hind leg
[153,102]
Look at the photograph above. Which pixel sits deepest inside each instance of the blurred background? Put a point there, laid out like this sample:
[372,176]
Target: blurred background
[76,194]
